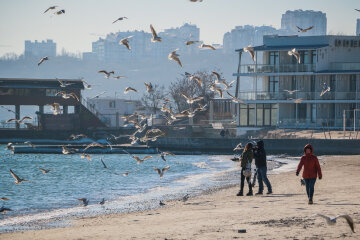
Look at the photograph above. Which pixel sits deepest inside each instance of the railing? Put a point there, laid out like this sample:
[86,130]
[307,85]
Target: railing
[341,66]
[92,109]
[282,68]
[282,95]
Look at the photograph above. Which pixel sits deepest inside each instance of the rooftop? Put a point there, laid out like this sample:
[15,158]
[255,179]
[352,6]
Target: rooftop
[40,83]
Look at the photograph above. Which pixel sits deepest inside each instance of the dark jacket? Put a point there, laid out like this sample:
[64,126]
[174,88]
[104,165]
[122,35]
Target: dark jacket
[311,165]
[246,156]
[260,155]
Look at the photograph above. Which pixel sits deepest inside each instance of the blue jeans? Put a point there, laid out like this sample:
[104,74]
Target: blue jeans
[310,184]
[262,177]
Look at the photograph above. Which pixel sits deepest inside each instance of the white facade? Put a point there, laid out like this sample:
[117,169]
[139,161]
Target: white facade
[40,49]
[304,19]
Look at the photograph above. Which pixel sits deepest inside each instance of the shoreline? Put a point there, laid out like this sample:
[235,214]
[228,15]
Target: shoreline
[282,215]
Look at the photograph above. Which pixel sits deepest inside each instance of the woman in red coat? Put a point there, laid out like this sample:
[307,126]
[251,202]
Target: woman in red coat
[311,171]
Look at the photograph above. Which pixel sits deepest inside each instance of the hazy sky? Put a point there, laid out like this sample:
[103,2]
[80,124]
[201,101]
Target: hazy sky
[85,20]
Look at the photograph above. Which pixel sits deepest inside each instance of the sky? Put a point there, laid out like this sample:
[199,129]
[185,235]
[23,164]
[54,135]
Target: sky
[86,20]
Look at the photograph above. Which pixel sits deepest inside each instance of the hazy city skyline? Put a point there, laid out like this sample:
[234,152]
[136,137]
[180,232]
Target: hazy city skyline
[86,21]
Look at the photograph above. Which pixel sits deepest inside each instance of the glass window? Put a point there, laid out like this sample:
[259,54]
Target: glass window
[259,115]
[274,114]
[251,116]
[274,58]
[352,83]
[273,84]
[313,56]
[313,113]
[332,83]
[243,117]
[312,83]
[305,58]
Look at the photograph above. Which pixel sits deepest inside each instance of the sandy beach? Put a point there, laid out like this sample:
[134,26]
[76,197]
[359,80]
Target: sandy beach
[220,214]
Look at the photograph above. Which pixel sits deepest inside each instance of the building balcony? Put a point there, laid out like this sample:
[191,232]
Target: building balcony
[341,66]
[271,68]
[297,95]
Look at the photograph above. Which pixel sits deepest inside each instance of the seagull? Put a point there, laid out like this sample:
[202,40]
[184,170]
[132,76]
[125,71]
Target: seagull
[195,0]
[118,77]
[207,46]
[5,199]
[162,171]
[193,77]
[68,95]
[103,163]
[291,92]
[73,136]
[238,147]
[120,19]
[161,203]
[164,154]
[174,56]
[332,221]
[107,74]
[4,209]
[42,60]
[63,85]
[191,42]
[185,198]
[17,179]
[102,202]
[139,160]
[325,89]
[30,144]
[299,100]
[86,85]
[251,51]
[155,37]
[84,200]
[218,78]
[94,144]
[45,171]
[304,29]
[65,150]
[125,42]
[98,95]
[357,10]
[85,155]
[296,54]
[187,113]
[213,88]
[129,89]
[227,85]
[201,108]
[235,99]
[50,8]
[60,12]
[190,100]
[17,120]
[149,87]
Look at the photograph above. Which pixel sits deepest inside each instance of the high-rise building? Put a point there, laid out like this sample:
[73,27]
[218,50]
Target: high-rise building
[304,19]
[358,27]
[40,49]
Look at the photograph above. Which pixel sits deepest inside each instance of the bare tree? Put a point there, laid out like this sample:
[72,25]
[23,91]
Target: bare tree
[153,99]
[191,89]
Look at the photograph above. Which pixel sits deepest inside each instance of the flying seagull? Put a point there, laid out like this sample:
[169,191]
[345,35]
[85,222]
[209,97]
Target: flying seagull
[5,199]
[60,12]
[120,19]
[190,100]
[164,154]
[251,51]
[42,60]
[332,221]
[162,171]
[149,87]
[18,180]
[304,29]
[18,121]
[207,46]
[45,171]
[84,200]
[213,88]
[193,77]
[139,160]
[155,37]
[325,89]
[50,8]
[291,92]
[106,73]
[63,84]
[129,89]
[4,209]
[125,42]
[175,57]
[118,77]
[238,147]
[191,42]
[296,54]
[357,10]
[68,95]
[235,99]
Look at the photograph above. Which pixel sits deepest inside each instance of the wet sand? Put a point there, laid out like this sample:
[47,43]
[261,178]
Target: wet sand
[220,214]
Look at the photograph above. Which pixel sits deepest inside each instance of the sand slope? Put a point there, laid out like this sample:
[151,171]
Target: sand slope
[283,215]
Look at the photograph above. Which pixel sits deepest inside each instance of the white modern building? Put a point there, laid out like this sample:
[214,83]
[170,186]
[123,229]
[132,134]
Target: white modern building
[325,61]
[290,20]
[40,49]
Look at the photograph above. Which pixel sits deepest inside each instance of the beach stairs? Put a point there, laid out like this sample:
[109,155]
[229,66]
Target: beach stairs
[89,119]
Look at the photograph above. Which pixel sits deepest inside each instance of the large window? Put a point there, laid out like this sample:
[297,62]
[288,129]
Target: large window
[274,58]
[273,84]
[313,57]
[247,115]
[266,114]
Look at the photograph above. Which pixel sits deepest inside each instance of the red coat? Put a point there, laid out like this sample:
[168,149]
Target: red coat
[311,165]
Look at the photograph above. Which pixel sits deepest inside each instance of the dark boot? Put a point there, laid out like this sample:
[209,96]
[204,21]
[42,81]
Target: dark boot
[250,193]
[240,193]
[259,193]
[310,201]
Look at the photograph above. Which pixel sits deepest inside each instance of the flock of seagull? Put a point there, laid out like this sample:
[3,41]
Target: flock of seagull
[141,126]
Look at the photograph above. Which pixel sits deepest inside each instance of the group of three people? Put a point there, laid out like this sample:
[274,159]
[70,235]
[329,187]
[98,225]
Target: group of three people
[310,162]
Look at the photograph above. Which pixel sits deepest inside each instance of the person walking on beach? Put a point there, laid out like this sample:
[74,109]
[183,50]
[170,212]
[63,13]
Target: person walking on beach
[312,170]
[246,160]
[260,162]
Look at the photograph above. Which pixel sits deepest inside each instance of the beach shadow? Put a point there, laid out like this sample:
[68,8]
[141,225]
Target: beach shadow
[283,195]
